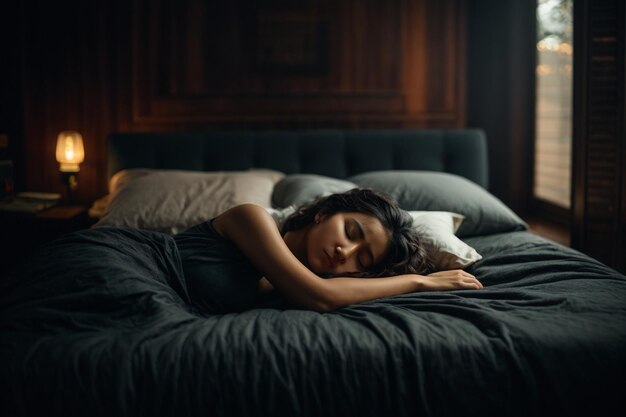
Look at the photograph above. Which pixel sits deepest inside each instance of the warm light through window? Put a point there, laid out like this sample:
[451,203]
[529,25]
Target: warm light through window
[553,138]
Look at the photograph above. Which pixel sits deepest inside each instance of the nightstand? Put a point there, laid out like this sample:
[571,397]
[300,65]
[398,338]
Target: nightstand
[22,233]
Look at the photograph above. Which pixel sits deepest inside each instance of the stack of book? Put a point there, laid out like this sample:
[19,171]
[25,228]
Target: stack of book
[29,202]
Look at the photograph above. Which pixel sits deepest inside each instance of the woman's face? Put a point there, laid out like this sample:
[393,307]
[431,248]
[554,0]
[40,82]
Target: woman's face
[343,243]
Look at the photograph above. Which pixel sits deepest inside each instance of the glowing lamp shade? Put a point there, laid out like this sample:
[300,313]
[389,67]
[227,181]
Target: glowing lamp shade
[70,151]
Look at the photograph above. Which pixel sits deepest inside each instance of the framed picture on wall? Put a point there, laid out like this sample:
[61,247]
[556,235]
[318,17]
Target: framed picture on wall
[290,43]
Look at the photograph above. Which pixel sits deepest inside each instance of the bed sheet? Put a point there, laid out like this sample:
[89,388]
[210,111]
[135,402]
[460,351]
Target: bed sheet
[98,323]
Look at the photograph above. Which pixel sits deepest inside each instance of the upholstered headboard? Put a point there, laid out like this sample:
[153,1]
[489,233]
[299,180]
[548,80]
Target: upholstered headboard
[334,153]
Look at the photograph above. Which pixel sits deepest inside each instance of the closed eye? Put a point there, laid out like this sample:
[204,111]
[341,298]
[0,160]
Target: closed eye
[354,230]
[357,229]
[350,235]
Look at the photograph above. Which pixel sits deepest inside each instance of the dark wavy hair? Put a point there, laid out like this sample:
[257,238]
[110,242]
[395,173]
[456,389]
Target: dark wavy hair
[406,254]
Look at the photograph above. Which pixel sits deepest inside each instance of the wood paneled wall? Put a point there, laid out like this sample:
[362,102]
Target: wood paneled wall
[355,63]
[68,82]
[242,64]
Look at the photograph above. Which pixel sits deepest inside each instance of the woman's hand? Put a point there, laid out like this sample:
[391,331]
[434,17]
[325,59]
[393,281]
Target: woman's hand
[455,279]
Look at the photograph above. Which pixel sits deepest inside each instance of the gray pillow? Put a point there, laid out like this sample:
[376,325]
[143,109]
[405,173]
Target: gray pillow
[171,201]
[425,190]
[297,189]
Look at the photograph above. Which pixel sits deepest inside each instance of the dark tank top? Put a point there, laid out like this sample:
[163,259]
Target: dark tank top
[219,277]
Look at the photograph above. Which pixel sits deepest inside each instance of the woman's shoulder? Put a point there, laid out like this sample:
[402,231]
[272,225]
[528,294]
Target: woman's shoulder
[242,215]
[245,210]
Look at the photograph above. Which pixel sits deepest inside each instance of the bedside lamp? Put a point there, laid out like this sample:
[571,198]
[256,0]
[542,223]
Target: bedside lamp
[70,153]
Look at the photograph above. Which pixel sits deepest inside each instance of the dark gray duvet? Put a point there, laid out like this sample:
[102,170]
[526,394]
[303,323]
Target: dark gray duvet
[99,324]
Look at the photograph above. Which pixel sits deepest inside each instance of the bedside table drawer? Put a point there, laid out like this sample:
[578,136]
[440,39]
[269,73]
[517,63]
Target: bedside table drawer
[22,233]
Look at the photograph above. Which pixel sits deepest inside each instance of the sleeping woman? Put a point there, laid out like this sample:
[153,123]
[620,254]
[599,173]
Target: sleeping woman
[339,250]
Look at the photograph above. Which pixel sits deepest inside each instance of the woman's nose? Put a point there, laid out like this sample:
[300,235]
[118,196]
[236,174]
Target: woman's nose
[344,252]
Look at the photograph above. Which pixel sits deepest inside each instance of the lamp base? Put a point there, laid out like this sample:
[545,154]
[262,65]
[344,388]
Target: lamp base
[70,181]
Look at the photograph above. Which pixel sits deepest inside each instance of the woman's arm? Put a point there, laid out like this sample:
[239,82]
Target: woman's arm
[255,233]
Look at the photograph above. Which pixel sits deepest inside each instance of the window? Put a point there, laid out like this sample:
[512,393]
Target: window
[553,136]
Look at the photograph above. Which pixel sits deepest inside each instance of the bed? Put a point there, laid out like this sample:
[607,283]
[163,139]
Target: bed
[98,322]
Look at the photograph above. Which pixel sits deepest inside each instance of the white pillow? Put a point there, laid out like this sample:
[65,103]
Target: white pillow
[171,201]
[437,229]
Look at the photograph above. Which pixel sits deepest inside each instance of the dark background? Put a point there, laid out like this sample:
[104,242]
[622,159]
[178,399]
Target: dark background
[161,65]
